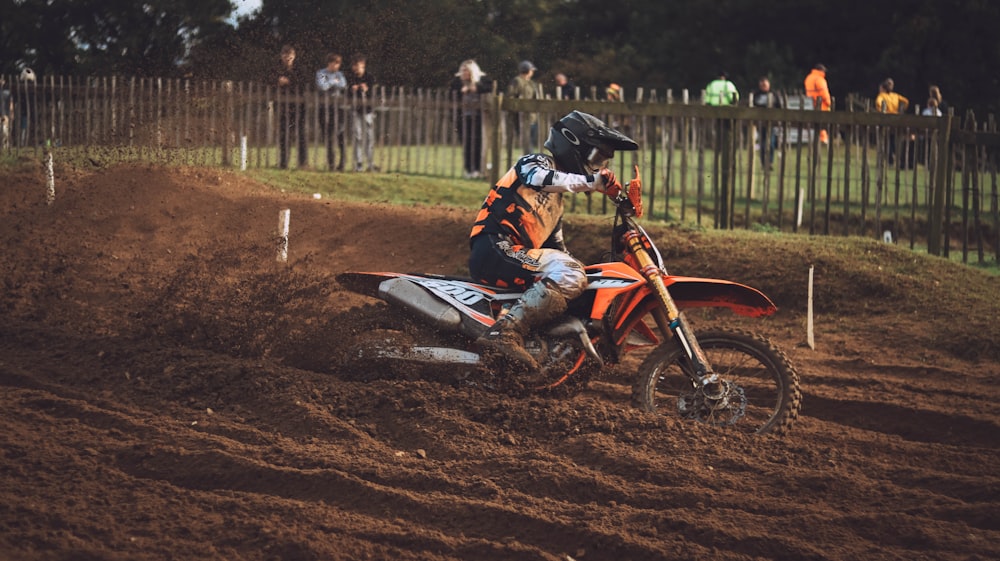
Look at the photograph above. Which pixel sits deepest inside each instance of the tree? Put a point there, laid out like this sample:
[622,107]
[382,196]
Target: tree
[414,43]
[150,38]
[678,44]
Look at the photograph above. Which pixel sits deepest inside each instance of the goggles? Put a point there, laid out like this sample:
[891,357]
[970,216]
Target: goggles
[598,159]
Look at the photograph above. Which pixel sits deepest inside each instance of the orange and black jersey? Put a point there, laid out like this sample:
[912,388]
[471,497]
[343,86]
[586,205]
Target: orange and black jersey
[527,205]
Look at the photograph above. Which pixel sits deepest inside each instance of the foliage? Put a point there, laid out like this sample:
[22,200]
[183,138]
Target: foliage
[764,228]
[150,38]
[419,43]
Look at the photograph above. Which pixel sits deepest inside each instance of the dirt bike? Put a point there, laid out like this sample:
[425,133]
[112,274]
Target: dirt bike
[720,377]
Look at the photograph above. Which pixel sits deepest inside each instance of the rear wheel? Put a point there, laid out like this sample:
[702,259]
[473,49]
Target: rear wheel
[759,391]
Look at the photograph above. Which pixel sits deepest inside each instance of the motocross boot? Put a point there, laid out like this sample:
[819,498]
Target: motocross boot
[504,340]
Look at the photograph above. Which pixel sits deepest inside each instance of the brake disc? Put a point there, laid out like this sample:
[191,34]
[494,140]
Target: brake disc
[724,410]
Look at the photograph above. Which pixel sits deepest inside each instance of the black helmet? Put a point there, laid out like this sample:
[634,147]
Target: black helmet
[582,143]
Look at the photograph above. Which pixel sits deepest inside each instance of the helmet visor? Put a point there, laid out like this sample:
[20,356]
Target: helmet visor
[599,158]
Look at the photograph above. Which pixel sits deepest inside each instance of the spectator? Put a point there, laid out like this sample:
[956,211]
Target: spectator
[517,239]
[6,111]
[890,102]
[291,106]
[331,80]
[468,86]
[934,92]
[523,87]
[361,88]
[818,91]
[613,92]
[932,109]
[26,92]
[565,89]
[764,97]
[721,91]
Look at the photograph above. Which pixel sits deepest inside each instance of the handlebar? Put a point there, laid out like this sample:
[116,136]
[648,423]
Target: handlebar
[629,199]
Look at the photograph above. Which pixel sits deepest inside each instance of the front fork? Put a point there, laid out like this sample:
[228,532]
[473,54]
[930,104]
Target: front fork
[670,319]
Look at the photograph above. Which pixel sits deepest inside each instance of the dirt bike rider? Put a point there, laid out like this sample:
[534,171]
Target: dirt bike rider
[517,239]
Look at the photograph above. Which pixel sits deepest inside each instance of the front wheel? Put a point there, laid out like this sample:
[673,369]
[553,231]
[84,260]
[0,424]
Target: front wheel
[758,390]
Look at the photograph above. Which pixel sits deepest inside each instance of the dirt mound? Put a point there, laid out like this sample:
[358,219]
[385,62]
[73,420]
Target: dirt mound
[171,391]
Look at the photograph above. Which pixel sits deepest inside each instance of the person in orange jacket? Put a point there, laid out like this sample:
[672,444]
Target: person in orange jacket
[818,90]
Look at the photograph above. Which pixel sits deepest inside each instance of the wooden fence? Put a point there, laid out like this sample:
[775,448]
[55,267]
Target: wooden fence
[924,181]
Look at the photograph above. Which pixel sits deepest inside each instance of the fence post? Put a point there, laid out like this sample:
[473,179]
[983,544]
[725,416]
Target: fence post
[727,179]
[496,101]
[50,176]
[284,217]
[227,124]
[941,170]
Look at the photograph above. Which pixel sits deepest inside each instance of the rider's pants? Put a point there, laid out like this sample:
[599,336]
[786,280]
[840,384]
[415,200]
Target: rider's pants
[495,261]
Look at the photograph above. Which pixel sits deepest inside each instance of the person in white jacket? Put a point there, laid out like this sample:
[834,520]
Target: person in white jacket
[332,81]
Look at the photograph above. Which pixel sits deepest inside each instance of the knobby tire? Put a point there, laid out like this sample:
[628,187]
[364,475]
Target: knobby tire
[770,383]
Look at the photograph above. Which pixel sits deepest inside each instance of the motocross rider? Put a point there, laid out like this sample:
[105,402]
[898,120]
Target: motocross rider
[517,239]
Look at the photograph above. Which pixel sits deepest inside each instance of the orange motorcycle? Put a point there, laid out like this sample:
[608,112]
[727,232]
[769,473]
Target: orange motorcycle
[720,377]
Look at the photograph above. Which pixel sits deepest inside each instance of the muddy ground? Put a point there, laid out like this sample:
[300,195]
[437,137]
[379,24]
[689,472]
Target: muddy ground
[168,390]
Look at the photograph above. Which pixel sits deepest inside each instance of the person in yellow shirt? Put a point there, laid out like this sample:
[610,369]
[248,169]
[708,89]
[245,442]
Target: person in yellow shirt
[888,101]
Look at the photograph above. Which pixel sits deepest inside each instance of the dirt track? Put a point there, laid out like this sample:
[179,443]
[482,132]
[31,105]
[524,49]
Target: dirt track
[170,392]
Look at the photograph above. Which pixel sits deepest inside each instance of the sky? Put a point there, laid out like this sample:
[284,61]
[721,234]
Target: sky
[244,7]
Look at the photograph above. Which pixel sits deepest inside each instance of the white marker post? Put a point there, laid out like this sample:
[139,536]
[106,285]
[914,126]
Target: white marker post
[283,219]
[809,316]
[243,153]
[50,177]
[798,211]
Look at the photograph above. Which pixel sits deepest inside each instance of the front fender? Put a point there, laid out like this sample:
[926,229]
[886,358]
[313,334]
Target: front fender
[691,292]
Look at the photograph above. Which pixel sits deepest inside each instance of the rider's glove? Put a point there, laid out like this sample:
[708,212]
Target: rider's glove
[610,185]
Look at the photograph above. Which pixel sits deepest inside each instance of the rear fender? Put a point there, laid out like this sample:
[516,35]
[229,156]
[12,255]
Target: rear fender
[477,303]
[364,283]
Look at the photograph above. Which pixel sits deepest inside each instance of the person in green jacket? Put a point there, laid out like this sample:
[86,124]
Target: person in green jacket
[525,125]
[721,91]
